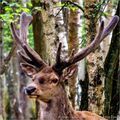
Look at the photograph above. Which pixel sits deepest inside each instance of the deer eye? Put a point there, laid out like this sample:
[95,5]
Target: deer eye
[54,81]
[41,81]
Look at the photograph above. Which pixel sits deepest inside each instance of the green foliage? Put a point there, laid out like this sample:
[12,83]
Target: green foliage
[12,13]
[115,2]
[13,10]
[30,36]
[7,37]
[8,41]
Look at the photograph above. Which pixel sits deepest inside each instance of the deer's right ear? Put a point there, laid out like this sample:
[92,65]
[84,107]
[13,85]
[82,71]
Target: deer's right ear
[28,69]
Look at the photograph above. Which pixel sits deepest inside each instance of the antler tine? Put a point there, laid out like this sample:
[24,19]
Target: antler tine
[25,20]
[14,34]
[112,24]
[57,65]
[35,59]
[27,59]
[58,59]
[24,57]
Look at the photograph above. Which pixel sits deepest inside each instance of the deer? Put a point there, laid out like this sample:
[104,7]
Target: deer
[48,81]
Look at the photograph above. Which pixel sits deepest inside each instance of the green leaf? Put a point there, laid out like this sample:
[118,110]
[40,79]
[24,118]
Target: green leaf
[8,9]
[29,4]
[26,10]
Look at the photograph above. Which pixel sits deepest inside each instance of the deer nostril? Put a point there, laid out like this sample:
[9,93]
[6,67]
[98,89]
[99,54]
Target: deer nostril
[29,90]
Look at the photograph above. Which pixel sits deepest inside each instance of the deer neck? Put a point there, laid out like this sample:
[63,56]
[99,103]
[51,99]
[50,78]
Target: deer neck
[57,109]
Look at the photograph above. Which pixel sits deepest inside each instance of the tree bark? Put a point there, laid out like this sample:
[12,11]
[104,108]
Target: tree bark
[111,67]
[23,100]
[61,32]
[1,63]
[73,43]
[44,33]
[65,12]
[94,62]
[12,82]
[1,79]
[106,42]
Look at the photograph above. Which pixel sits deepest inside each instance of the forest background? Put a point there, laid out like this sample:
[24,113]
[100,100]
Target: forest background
[95,86]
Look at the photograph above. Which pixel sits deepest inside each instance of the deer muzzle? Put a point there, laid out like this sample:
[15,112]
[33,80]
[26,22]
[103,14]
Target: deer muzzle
[29,90]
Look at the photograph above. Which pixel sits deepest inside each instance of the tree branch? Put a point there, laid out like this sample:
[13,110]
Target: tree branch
[66,3]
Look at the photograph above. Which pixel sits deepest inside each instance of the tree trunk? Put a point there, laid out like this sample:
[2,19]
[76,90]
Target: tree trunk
[44,33]
[106,42]
[1,79]
[23,100]
[65,12]
[73,43]
[112,72]
[61,31]
[84,93]
[1,63]
[12,82]
[94,63]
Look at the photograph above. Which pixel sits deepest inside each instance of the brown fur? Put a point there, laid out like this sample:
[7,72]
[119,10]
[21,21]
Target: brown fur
[54,104]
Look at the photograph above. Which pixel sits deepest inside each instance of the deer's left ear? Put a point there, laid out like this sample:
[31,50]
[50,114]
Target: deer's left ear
[28,69]
[68,73]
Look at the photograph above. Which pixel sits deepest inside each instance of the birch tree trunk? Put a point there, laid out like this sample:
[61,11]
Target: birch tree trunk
[61,32]
[65,12]
[94,63]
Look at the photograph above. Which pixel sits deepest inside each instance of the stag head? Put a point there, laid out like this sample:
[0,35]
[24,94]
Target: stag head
[47,80]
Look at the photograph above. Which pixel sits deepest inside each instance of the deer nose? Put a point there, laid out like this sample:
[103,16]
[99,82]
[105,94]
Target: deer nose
[29,90]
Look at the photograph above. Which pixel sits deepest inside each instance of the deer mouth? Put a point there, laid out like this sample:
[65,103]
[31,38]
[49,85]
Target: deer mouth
[32,96]
[31,93]
[39,97]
